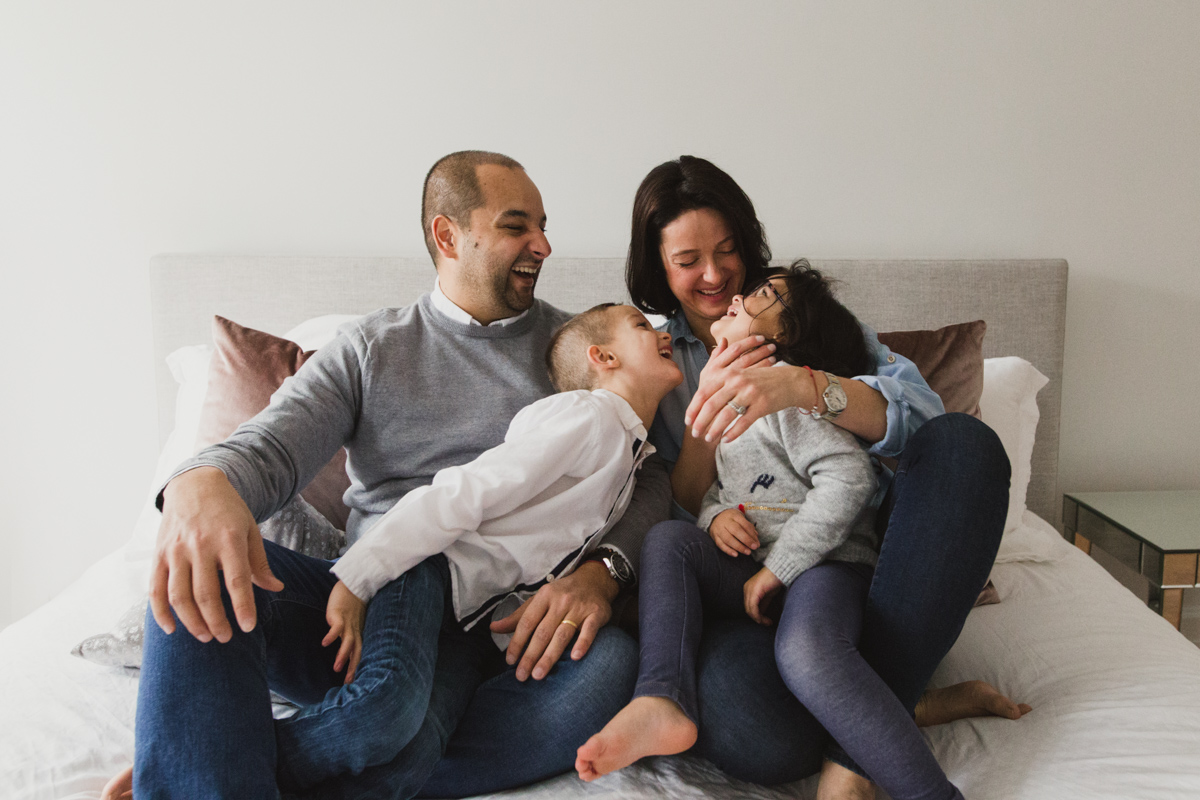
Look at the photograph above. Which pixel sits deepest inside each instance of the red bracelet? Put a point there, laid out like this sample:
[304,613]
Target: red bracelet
[815,409]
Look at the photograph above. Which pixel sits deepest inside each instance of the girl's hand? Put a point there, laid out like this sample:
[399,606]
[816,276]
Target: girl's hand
[345,615]
[733,533]
[727,377]
[759,591]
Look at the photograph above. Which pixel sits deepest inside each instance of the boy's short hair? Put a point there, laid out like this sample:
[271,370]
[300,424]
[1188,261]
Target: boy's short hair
[566,357]
[816,329]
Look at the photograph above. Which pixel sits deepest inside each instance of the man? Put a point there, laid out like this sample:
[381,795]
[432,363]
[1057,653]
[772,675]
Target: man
[203,706]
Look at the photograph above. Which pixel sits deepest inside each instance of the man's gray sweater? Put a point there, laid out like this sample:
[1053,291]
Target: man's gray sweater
[408,392]
[807,486]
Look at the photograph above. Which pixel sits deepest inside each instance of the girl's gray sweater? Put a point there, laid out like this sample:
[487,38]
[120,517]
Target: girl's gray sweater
[807,486]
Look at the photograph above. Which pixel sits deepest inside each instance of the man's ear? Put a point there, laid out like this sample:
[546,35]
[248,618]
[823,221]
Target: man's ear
[446,236]
[602,359]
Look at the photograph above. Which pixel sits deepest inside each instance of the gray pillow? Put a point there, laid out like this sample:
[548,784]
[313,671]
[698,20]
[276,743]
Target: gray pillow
[297,526]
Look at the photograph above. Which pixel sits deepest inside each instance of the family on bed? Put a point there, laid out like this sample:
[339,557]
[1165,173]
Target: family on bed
[518,474]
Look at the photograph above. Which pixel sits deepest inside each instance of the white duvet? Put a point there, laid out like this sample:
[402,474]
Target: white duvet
[1115,692]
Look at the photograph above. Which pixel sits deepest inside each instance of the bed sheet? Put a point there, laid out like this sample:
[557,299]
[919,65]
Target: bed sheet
[1115,691]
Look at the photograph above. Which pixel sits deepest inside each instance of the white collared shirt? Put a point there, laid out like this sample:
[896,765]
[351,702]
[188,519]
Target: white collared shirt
[521,514]
[452,310]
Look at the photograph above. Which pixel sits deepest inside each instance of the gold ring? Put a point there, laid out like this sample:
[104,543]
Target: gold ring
[568,622]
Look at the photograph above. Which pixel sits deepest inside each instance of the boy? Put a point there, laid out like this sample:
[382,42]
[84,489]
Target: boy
[520,515]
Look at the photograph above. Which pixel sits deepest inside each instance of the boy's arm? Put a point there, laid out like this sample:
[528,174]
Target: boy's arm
[429,519]
[843,482]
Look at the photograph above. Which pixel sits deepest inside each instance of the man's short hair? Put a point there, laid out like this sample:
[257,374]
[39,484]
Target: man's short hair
[452,189]
[566,357]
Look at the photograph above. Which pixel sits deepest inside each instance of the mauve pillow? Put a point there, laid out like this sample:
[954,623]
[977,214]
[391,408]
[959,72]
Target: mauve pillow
[950,359]
[247,367]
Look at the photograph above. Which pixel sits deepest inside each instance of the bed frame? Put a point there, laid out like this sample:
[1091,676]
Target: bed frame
[1023,302]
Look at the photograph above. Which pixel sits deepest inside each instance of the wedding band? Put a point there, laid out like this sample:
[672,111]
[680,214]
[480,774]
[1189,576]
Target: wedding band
[739,410]
[568,622]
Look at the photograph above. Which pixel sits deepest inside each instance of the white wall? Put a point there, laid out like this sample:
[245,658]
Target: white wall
[945,129]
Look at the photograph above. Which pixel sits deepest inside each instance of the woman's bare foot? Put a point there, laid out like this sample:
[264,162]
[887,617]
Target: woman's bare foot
[648,726]
[839,783]
[120,787]
[967,699]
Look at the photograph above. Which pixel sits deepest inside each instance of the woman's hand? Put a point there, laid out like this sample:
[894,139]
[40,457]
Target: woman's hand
[733,533]
[345,615]
[579,603]
[731,375]
[759,591]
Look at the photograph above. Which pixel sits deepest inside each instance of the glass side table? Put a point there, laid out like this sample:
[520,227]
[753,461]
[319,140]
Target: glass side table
[1154,533]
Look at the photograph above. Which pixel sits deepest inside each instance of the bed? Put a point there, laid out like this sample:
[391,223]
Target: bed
[1115,689]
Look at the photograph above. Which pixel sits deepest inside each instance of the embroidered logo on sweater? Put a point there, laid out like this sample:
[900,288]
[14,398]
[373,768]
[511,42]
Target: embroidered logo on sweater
[764,481]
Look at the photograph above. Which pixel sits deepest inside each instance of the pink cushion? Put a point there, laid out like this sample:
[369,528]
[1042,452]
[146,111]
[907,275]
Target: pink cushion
[247,367]
[950,359]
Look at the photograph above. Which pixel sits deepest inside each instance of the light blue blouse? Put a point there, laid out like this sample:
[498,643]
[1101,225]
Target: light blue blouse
[910,400]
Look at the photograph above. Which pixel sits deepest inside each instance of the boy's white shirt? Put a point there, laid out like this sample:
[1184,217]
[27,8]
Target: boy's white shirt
[521,514]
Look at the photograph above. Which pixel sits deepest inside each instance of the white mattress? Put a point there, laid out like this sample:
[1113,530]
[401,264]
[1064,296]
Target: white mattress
[1115,691]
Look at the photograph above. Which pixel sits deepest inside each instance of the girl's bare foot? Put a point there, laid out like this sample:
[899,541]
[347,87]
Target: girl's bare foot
[839,783]
[648,726]
[967,699]
[120,787]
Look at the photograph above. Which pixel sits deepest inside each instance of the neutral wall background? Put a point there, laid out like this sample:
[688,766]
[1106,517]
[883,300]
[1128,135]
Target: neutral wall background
[941,129]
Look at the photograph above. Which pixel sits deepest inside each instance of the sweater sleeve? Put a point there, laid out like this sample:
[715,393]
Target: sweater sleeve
[711,506]
[843,482]
[563,439]
[273,456]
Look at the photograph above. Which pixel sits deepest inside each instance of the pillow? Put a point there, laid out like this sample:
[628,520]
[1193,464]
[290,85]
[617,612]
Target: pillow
[1009,407]
[247,367]
[297,526]
[950,359]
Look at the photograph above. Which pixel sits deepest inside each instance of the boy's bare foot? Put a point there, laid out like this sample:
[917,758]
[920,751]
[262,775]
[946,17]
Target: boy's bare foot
[120,787]
[648,726]
[839,783]
[967,699]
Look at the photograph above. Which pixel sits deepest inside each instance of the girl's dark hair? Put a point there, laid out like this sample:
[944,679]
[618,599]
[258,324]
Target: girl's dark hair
[815,329]
[687,184]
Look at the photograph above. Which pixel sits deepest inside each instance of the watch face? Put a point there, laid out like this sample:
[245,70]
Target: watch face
[835,398]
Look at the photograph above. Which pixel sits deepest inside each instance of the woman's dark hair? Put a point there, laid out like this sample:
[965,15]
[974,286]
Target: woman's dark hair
[687,184]
[815,329]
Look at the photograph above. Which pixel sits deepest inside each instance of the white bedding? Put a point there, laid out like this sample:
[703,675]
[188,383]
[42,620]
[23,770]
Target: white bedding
[1115,691]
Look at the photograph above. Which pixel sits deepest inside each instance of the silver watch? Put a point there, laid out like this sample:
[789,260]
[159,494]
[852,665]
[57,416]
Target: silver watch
[834,397]
[617,565]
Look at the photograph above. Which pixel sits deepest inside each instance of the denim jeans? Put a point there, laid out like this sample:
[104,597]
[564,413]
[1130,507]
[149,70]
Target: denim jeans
[204,707]
[944,516]
[204,725]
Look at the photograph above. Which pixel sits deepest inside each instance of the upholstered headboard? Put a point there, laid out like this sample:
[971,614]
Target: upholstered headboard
[1023,302]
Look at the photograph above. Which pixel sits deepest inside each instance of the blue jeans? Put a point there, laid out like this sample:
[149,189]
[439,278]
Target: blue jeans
[203,708]
[944,516]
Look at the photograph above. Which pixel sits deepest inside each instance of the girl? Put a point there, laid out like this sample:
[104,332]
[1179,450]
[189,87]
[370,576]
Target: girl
[790,537]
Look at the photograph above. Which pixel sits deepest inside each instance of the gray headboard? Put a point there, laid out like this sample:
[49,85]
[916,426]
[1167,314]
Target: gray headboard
[1023,302]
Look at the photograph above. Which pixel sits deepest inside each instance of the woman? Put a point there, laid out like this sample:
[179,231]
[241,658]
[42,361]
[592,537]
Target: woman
[696,242]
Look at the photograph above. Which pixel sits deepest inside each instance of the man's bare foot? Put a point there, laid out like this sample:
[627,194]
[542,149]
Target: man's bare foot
[839,783]
[120,787]
[967,699]
[648,726]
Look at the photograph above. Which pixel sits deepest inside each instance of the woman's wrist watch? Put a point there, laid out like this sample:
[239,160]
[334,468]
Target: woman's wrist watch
[834,397]
[617,565]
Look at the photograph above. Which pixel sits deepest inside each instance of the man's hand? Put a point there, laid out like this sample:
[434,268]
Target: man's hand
[584,598]
[732,374]
[759,591]
[207,528]
[733,533]
[345,615]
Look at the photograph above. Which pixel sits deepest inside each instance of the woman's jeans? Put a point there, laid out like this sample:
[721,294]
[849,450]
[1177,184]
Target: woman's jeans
[204,725]
[944,516]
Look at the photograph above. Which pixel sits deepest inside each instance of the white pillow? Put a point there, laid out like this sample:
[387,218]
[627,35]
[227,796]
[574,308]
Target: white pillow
[313,334]
[189,367]
[1009,407]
